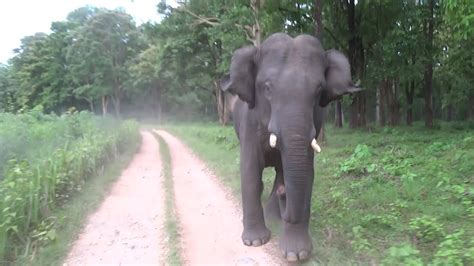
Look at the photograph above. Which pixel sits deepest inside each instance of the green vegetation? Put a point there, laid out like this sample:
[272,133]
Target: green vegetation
[397,196]
[172,222]
[394,195]
[46,159]
[413,58]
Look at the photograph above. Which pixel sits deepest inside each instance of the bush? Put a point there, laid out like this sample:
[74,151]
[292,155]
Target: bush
[357,163]
[453,251]
[403,254]
[47,159]
[426,229]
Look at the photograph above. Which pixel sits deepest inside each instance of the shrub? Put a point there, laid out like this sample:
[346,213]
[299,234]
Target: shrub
[426,229]
[39,176]
[453,251]
[404,254]
[356,164]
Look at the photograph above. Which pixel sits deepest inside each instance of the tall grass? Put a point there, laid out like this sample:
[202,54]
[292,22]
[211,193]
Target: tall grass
[44,159]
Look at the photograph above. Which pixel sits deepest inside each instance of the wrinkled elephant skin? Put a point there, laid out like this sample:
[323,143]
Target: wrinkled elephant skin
[283,87]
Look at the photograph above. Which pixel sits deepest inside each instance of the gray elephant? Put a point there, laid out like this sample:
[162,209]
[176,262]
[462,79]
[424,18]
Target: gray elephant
[283,86]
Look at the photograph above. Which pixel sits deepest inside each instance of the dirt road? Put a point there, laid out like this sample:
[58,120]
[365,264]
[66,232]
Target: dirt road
[128,227]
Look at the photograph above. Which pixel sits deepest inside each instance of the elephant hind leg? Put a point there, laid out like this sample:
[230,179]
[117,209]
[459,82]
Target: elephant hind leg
[273,209]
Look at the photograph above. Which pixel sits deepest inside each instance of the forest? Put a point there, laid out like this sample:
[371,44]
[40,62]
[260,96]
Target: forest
[413,58]
[393,183]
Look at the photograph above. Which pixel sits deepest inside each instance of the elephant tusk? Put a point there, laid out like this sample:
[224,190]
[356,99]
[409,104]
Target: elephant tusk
[315,146]
[273,140]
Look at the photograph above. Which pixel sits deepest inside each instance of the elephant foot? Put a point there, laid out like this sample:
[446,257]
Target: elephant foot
[256,236]
[295,243]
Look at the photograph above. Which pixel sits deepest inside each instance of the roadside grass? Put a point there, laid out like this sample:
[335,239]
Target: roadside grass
[73,215]
[44,161]
[171,223]
[390,196]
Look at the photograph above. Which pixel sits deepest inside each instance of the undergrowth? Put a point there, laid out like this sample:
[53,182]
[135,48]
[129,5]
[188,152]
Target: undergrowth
[392,196]
[45,160]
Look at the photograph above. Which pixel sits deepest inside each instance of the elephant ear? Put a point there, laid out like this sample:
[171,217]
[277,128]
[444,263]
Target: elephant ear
[338,78]
[241,80]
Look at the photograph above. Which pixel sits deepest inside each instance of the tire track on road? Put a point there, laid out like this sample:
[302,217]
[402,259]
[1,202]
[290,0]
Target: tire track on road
[210,219]
[128,226]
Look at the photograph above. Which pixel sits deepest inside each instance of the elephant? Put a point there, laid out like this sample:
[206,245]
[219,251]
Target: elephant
[283,87]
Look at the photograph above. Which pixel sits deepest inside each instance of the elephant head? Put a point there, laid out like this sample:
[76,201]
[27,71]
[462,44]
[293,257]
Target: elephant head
[286,83]
[287,80]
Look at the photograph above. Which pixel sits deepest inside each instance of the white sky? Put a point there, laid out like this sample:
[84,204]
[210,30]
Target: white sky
[20,18]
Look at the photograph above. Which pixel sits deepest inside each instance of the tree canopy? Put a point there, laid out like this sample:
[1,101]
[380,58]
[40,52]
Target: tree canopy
[414,58]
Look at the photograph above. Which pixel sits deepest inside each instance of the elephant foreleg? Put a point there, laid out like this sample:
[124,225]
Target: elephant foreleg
[255,231]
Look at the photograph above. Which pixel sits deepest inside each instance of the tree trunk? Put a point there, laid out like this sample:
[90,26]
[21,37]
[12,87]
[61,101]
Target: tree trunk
[358,110]
[353,117]
[428,95]
[362,108]
[356,59]
[91,105]
[105,103]
[471,109]
[256,34]
[428,73]
[382,104]
[156,105]
[450,113]
[160,108]
[220,104]
[377,106]
[410,94]
[318,19]
[392,101]
[116,103]
[338,113]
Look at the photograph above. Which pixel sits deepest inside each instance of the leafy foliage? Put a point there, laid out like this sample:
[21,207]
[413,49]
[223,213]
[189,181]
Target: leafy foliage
[356,164]
[97,56]
[47,160]
[454,251]
[426,229]
[404,254]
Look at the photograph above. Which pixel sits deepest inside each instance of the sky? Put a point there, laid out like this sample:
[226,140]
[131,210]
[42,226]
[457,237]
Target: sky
[20,18]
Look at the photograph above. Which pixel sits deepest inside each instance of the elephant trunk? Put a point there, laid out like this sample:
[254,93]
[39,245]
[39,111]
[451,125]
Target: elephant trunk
[298,169]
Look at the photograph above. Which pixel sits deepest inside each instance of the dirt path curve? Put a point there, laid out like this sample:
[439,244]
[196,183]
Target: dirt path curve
[210,220]
[126,229]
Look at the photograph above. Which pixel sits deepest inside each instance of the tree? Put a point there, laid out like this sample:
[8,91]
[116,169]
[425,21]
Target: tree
[456,71]
[6,95]
[145,79]
[428,73]
[34,74]
[412,57]
[99,54]
[200,37]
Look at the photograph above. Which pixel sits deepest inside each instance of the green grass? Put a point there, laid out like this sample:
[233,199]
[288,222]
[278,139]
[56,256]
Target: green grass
[173,255]
[72,216]
[47,159]
[392,195]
